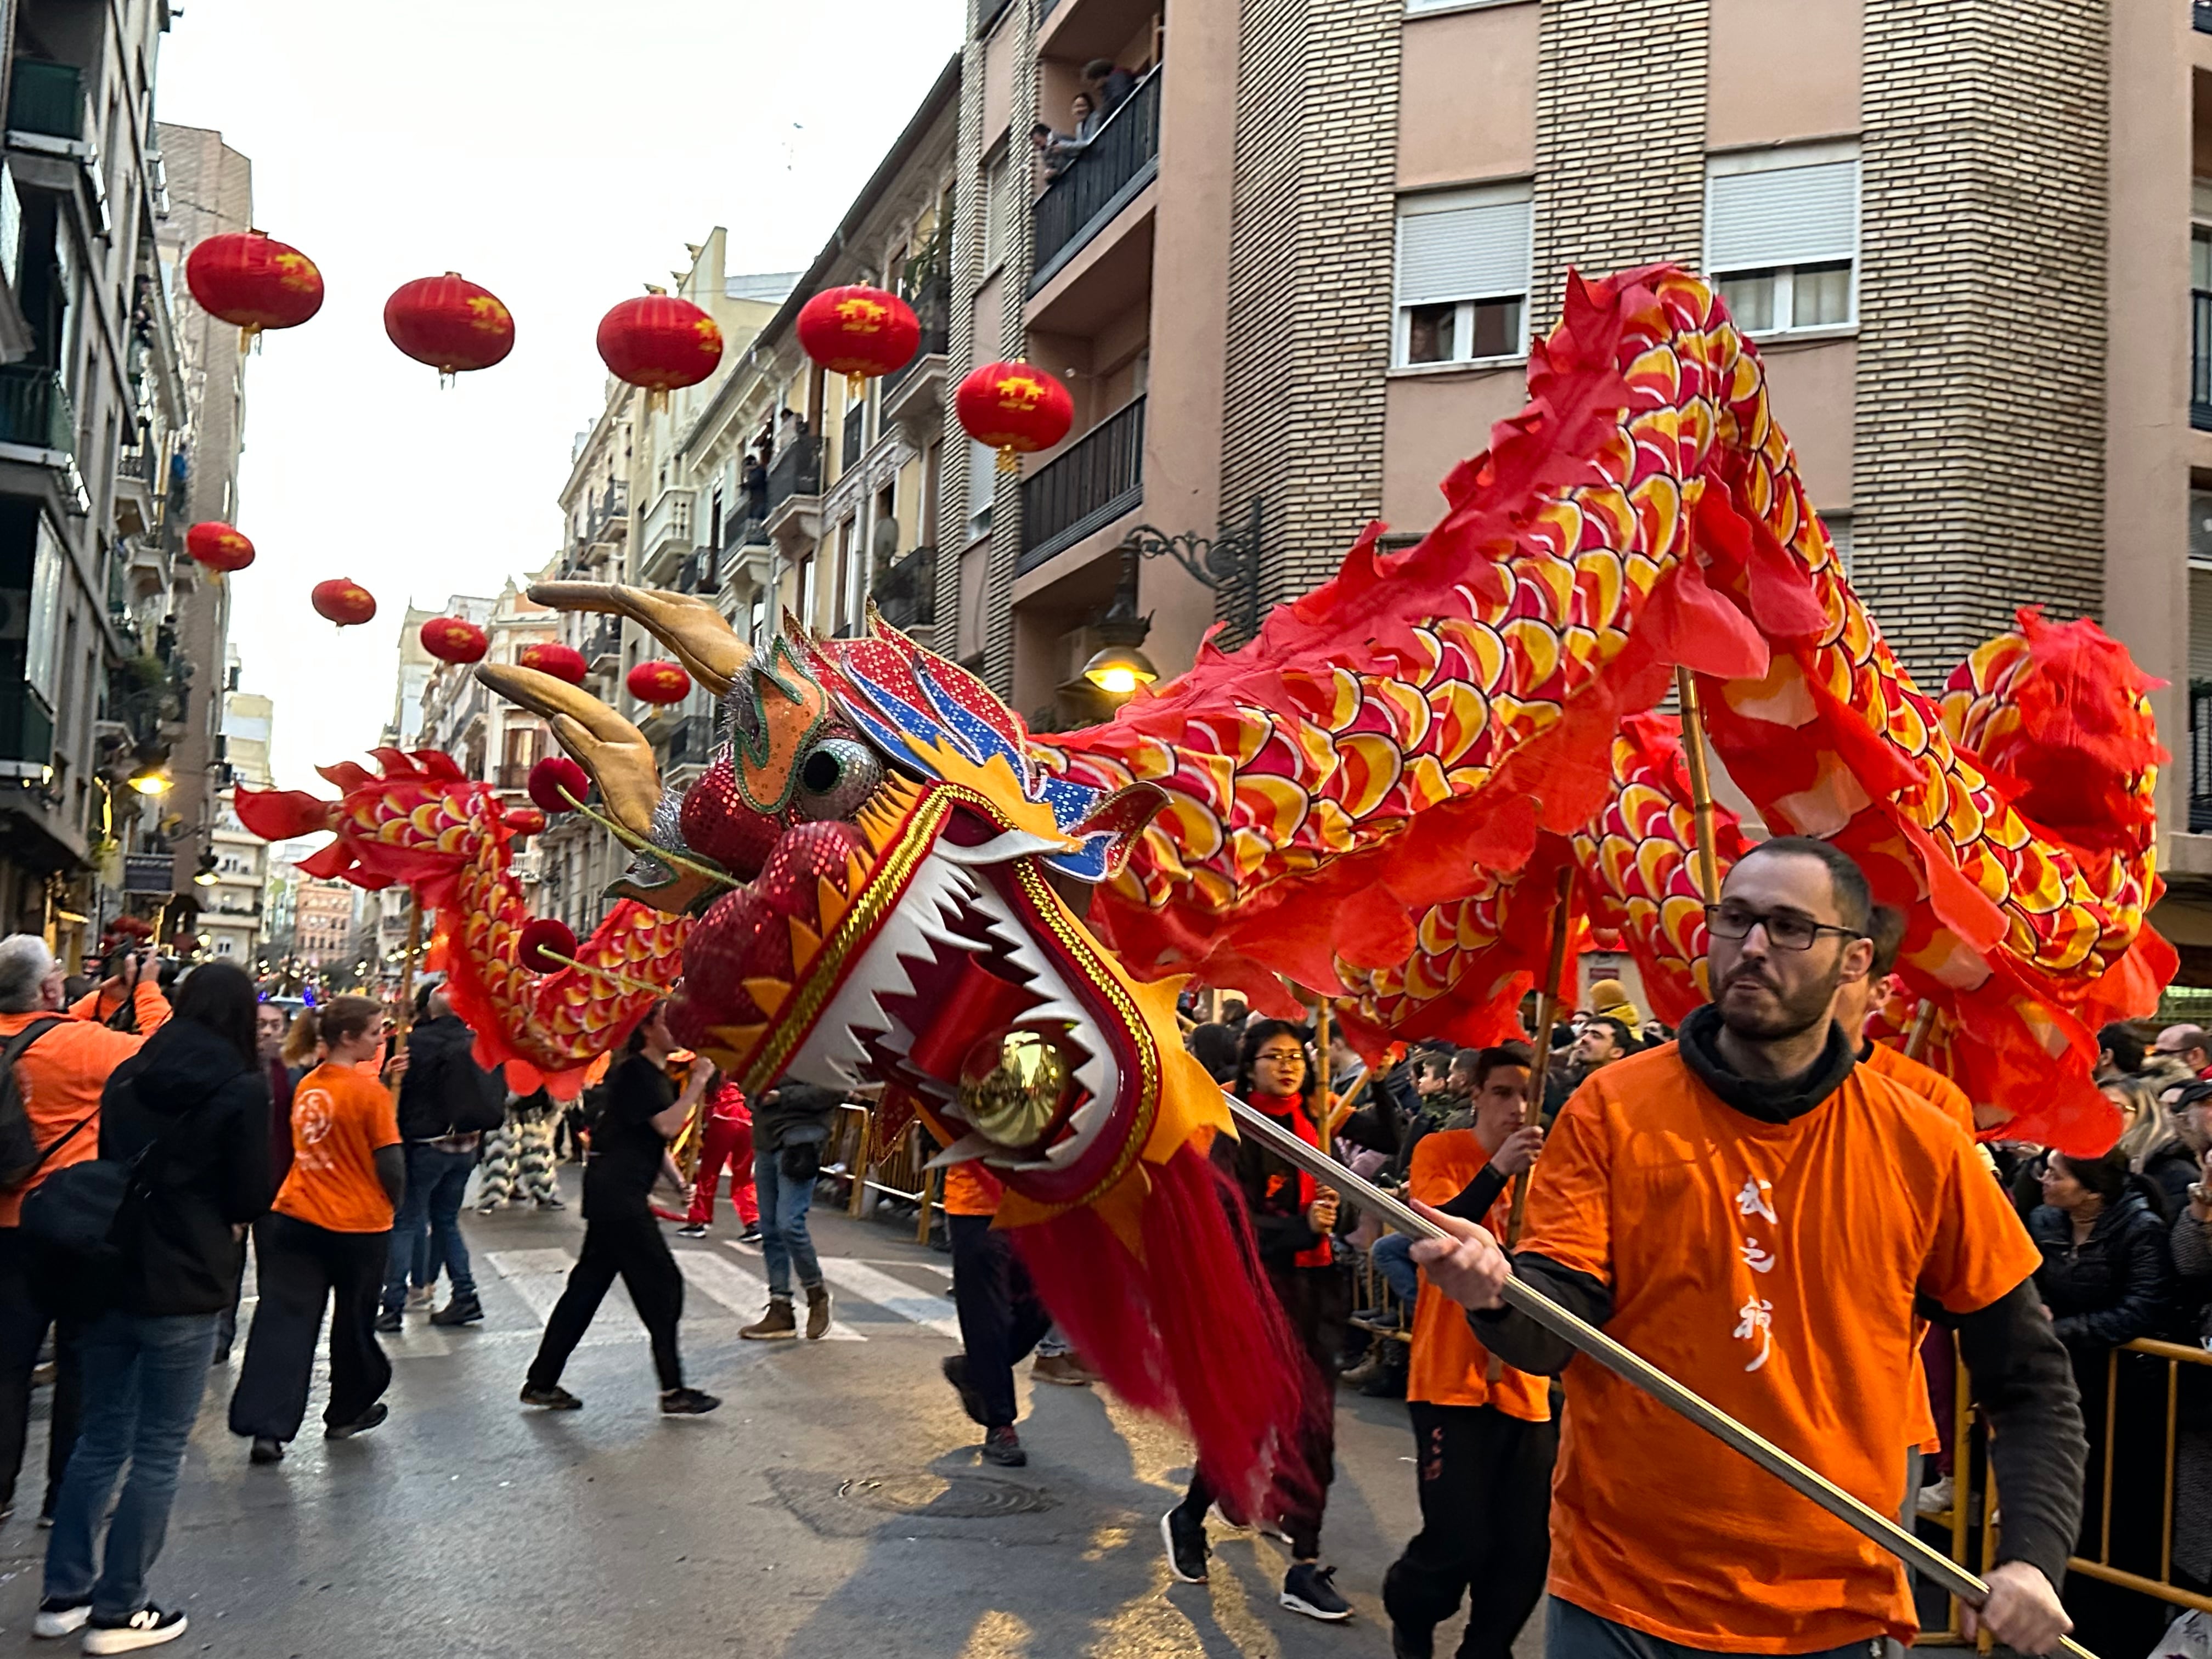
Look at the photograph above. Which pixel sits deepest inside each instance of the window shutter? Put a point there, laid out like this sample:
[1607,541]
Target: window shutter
[1782,216]
[1477,253]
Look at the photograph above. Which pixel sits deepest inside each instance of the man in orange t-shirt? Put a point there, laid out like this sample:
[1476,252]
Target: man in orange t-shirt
[1483,1437]
[1001,1318]
[1757,1214]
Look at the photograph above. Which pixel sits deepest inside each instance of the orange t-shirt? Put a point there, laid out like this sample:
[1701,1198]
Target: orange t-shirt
[339,1121]
[1449,1366]
[1771,1267]
[61,1077]
[971,1189]
[1930,1084]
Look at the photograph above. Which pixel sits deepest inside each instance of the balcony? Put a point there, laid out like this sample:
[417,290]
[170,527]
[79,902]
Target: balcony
[513,774]
[665,537]
[700,571]
[602,646]
[47,98]
[1085,488]
[854,439]
[906,589]
[691,741]
[137,507]
[2200,757]
[913,397]
[795,495]
[34,410]
[609,519]
[1110,173]
[2200,359]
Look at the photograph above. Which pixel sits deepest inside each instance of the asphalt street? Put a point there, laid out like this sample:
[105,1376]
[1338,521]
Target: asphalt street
[835,1506]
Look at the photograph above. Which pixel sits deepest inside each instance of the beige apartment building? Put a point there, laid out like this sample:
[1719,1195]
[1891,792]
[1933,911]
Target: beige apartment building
[1290,278]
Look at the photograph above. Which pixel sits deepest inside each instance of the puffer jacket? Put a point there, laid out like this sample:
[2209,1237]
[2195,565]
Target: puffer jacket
[2114,1286]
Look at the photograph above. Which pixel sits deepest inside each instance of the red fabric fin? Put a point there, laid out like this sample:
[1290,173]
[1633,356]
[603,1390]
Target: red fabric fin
[329,864]
[281,814]
[347,775]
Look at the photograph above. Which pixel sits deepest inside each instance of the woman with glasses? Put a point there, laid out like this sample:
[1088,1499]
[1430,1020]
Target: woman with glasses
[1295,1221]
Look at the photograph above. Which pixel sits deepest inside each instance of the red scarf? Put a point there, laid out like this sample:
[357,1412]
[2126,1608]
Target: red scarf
[1292,1109]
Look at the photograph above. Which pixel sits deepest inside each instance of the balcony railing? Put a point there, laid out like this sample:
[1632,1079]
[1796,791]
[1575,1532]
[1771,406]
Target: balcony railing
[748,532]
[603,641]
[906,589]
[932,303]
[989,12]
[612,508]
[45,98]
[856,436]
[131,463]
[796,471]
[700,572]
[26,730]
[1086,488]
[34,409]
[691,741]
[2200,15]
[2200,359]
[1118,163]
[2200,757]
[515,774]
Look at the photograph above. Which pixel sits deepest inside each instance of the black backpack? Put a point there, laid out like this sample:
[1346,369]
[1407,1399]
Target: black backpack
[87,1215]
[447,1093]
[20,1155]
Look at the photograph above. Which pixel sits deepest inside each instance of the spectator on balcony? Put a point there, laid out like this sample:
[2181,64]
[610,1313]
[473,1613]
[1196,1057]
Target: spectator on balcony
[1108,85]
[755,483]
[1054,147]
[790,427]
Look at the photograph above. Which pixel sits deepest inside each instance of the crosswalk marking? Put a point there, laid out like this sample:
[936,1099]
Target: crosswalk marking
[738,1290]
[895,1295]
[538,1276]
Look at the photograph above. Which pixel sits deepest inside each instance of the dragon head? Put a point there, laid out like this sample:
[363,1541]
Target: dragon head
[876,859]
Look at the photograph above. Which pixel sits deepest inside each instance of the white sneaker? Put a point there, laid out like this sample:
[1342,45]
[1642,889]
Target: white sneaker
[58,1618]
[1935,1499]
[149,1627]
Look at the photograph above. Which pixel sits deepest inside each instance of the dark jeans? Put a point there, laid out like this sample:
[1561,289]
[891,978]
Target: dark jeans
[785,1242]
[1001,1318]
[303,1267]
[1572,1632]
[435,1181]
[1392,1255]
[1486,1489]
[629,1245]
[25,1316]
[143,1377]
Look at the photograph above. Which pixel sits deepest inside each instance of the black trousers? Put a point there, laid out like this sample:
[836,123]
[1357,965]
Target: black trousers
[629,1245]
[1486,1488]
[1001,1320]
[25,1317]
[301,1267]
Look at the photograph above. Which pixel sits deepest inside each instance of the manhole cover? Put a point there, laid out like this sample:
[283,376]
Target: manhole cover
[955,1498]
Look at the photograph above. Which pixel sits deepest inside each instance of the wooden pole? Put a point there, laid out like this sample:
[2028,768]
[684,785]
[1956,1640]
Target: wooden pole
[407,1015]
[1923,1027]
[1701,785]
[1548,1020]
[1326,1115]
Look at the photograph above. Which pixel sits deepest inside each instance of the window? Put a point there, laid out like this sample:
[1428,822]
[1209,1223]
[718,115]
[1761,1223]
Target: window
[1463,276]
[983,485]
[998,211]
[43,624]
[1840,538]
[1781,234]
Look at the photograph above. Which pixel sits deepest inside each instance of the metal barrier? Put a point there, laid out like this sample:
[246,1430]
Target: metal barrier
[894,1171]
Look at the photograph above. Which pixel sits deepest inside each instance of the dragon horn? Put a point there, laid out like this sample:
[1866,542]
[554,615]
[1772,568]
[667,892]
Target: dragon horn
[606,746]
[689,627]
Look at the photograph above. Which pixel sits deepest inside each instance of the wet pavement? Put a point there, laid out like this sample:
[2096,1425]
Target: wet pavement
[835,1506]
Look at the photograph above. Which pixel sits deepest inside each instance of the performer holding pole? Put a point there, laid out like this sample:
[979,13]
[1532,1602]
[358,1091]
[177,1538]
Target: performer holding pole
[1758,1216]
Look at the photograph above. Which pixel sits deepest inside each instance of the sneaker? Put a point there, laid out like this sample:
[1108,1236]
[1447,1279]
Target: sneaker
[686,1402]
[267,1448]
[389,1320]
[1059,1368]
[1309,1588]
[692,1230]
[420,1297]
[59,1616]
[1187,1547]
[750,1236]
[461,1310]
[552,1396]
[1369,1368]
[776,1325]
[488,1209]
[955,1367]
[818,1312]
[550,1204]
[361,1425]
[1003,1447]
[149,1627]
[45,1522]
[1936,1499]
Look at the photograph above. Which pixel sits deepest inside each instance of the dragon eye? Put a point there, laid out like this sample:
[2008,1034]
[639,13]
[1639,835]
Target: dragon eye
[836,775]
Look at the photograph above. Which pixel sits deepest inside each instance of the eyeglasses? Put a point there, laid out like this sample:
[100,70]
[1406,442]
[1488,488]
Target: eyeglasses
[1784,928]
[1281,1056]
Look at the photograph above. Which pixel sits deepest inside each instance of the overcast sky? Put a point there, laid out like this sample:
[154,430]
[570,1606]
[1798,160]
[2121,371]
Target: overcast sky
[559,152]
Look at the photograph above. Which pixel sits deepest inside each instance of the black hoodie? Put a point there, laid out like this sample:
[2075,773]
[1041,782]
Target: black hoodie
[210,1176]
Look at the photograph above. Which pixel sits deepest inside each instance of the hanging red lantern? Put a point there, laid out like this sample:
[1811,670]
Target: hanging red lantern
[660,343]
[1015,408]
[658,682]
[558,784]
[449,322]
[250,279]
[454,639]
[343,601]
[546,946]
[859,332]
[218,547]
[562,662]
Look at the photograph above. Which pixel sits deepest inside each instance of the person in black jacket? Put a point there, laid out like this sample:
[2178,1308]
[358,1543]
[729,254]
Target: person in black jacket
[192,1107]
[446,1100]
[1295,1223]
[791,1126]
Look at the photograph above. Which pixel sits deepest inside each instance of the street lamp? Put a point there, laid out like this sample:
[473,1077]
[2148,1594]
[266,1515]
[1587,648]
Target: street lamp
[1229,563]
[149,779]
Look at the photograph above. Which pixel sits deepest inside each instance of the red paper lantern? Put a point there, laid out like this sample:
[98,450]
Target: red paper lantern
[658,682]
[660,343]
[558,784]
[524,821]
[449,322]
[254,281]
[1015,408]
[218,546]
[343,601]
[454,639]
[859,332]
[544,943]
[562,662]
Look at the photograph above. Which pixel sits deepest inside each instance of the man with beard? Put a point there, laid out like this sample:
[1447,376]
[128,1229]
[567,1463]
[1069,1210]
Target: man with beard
[1758,1214]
